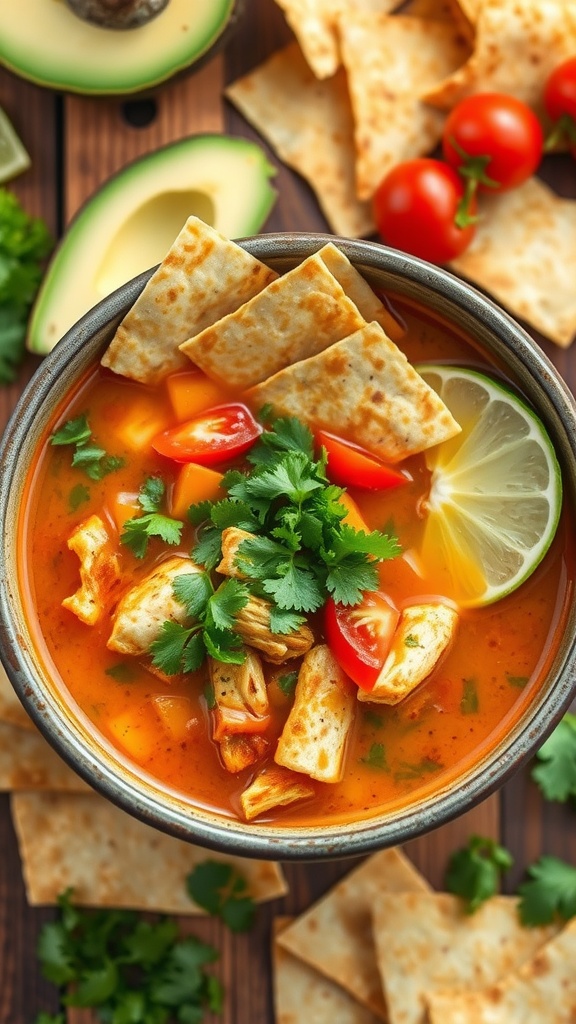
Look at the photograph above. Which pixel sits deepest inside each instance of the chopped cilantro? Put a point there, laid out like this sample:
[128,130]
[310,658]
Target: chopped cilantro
[122,672]
[139,530]
[376,757]
[556,774]
[409,771]
[94,461]
[469,702]
[209,696]
[519,682]
[287,683]
[221,890]
[549,894]
[373,719]
[412,641]
[50,1018]
[79,495]
[474,872]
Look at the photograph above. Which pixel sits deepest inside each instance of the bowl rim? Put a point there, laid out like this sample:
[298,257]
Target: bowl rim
[165,811]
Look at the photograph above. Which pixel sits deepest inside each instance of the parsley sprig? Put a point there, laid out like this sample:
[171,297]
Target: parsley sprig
[152,523]
[88,456]
[549,893]
[556,773]
[222,891]
[474,871]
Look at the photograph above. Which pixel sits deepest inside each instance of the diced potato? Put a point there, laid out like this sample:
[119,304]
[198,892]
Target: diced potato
[314,737]
[240,695]
[192,392]
[274,787]
[176,714]
[240,751]
[136,731]
[99,570]
[354,517]
[144,608]
[252,623]
[421,637]
[144,421]
[193,484]
[124,506]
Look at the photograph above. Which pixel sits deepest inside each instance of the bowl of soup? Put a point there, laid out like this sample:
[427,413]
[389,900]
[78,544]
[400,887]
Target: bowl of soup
[287,560]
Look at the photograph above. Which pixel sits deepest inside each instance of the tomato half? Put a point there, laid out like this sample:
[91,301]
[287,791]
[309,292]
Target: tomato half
[493,140]
[415,209]
[360,637]
[216,435]
[349,465]
[560,103]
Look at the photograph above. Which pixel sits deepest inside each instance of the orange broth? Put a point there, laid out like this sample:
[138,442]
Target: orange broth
[395,754]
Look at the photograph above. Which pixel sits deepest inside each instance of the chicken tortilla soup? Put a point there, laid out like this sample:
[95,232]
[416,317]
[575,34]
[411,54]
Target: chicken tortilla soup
[299,554]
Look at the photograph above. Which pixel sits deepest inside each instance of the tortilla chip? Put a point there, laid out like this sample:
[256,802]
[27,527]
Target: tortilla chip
[391,61]
[27,762]
[364,389]
[300,314]
[544,989]
[302,995]
[517,46]
[203,277]
[309,125]
[334,935]
[110,859]
[364,298]
[427,941]
[524,253]
[11,710]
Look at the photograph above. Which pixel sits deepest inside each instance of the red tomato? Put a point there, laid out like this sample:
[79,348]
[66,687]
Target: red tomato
[220,433]
[360,637]
[415,207]
[351,466]
[560,103]
[493,140]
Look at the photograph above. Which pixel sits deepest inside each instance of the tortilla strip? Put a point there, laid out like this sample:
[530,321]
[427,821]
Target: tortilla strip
[524,254]
[364,298]
[203,277]
[342,917]
[543,989]
[11,710]
[390,62]
[300,314]
[27,762]
[274,787]
[362,388]
[309,125]
[427,941]
[110,859]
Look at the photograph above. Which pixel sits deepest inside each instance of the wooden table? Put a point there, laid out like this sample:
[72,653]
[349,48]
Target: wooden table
[75,144]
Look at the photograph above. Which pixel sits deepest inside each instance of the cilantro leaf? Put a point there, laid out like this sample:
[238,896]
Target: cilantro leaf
[287,434]
[469,703]
[78,496]
[549,894]
[474,871]
[76,431]
[55,954]
[287,683]
[376,757]
[295,589]
[138,530]
[169,648]
[230,597]
[222,891]
[556,775]
[89,457]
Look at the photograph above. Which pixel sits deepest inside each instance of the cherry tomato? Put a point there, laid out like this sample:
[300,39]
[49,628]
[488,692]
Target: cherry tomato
[349,465]
[220,433]
[360,637]
[493,140]
[560,103]
[415,207]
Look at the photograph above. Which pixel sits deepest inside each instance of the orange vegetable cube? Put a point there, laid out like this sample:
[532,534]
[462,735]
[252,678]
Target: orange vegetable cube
[192,392]
[176,714]
[354,516]
[136,732]
[124,506]
[144,421]
[194,483]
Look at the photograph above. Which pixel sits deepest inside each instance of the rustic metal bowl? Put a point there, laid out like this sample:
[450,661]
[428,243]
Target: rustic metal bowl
[64,726]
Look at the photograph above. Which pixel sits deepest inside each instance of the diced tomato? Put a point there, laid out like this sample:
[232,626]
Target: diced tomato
[360,636]
[218,434]
[349,465]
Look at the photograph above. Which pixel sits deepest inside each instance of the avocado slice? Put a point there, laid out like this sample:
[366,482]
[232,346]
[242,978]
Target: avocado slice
[46,42]
[129,224]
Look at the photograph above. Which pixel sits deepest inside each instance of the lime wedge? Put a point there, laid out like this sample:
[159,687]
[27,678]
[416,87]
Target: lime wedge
[13,157]
[495,491]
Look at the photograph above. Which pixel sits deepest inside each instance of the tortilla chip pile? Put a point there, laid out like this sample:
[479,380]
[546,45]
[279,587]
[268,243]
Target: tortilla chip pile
[365,86]
[381,946]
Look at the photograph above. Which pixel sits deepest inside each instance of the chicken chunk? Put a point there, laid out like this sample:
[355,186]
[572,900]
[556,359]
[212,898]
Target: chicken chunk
[99,570]
[252,623]
[274,787]
[240,696]
[314,737]
[144,608]
[232,538]
[242,751]
[420,639]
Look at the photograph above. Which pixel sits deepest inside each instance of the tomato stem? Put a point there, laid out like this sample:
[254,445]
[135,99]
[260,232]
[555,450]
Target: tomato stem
[463,215]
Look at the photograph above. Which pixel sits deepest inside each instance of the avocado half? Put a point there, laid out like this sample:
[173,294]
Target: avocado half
[129,224]
[45,42]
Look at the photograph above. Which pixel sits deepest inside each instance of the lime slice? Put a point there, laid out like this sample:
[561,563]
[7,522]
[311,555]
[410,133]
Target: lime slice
[13,157]
[495,492]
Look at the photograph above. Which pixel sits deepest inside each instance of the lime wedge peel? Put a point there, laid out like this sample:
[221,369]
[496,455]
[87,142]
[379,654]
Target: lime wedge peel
[496,489]
[13,157]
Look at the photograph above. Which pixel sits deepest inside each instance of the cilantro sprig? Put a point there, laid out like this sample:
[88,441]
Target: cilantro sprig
[88,456]
[549,893]
[556,773]
[152,523]
[222,891]
[474,872]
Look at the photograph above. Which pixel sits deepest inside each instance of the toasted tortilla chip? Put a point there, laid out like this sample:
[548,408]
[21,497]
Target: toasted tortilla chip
[110,859]
[203,277]
[427,941]
[524,254]
[390,62]
[364,389]
[543,989]
[274,787]
[517,45]
[27,762]
[334,936]
[309,125]
[364,298]
[296,316]
[302,995]
[11,710]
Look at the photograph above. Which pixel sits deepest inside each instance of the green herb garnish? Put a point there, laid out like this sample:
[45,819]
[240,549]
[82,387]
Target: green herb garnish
[412,641]
[469,702]
[556,775]
[519,682]
[139,530]
[89,457]
[287,683]
[79,495]
[474,872]
[376,757]
[221,890]
[549,894]
[408,771]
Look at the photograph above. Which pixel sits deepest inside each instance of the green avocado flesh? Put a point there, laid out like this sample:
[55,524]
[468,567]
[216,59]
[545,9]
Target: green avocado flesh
[44,41]
[131,222]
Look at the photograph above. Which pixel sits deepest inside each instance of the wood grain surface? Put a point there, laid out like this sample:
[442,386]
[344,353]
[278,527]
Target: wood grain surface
[75,144]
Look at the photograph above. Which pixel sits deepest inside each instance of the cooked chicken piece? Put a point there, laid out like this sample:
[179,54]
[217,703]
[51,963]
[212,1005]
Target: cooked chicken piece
[99,570]
[421,637]
[144,608]
[240,695]
[241,751]
[232,538]
[252,623]
[273,787]
[313,740]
